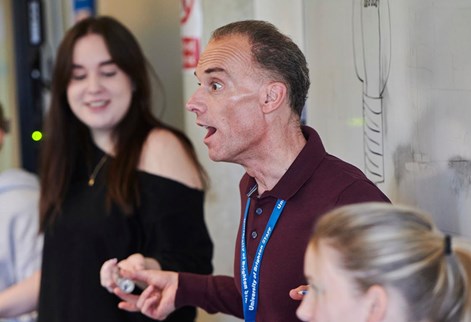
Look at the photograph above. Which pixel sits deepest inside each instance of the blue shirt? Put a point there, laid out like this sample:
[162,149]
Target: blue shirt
[20,243]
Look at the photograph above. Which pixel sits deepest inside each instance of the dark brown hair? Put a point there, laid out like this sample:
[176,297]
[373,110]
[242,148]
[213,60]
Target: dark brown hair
[66,137]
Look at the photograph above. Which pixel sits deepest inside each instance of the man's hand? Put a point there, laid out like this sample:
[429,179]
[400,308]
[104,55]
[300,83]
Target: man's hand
[110,271]
[298,292]
[157,300]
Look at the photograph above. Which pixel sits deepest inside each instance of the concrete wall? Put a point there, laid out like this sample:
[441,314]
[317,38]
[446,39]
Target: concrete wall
[425,105]
[157,27]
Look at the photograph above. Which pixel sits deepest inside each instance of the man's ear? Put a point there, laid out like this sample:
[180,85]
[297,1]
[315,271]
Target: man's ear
[273,95]
[377,298]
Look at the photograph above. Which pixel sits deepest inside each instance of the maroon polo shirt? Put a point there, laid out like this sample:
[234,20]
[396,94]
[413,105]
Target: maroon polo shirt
[315,183]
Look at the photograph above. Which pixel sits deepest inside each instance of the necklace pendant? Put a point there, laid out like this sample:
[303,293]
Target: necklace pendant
[91,179]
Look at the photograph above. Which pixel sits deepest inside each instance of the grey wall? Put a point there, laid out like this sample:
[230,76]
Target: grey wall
[426,102]
[156,25]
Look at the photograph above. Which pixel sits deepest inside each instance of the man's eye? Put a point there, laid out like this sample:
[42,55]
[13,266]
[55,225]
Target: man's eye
[215,86]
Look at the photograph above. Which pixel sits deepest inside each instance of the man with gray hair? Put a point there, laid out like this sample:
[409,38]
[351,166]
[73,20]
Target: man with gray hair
[253,87]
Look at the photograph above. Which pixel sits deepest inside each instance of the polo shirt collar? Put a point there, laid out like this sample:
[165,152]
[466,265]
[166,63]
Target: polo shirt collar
[300,170]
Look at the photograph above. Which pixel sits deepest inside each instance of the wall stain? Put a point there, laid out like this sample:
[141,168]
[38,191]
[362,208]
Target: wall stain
[403,155]
[461,169]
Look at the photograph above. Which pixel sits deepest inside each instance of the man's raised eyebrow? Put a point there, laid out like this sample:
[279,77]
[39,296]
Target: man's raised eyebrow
[214,70]
[211,70]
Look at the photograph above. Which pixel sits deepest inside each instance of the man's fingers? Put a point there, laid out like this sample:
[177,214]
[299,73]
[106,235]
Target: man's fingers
[144,276]
[147,293]
[298,292]
[150,307]
[128,297]
[127,307]
[129,301]
[294,294]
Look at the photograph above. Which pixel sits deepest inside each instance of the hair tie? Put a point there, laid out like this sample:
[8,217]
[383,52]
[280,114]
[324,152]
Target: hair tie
[448,246]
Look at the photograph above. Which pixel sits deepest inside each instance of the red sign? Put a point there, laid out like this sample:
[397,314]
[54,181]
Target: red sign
[187,5]
[191,51]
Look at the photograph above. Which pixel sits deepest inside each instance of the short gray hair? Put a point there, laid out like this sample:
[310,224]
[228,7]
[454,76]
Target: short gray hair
[275,53]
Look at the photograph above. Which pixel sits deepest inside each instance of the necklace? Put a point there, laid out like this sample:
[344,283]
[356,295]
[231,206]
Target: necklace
[91,179]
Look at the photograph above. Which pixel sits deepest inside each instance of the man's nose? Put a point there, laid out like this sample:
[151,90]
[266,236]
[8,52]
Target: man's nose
[195,103]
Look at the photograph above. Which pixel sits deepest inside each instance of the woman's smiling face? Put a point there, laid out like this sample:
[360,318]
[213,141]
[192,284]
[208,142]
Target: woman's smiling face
[99,92]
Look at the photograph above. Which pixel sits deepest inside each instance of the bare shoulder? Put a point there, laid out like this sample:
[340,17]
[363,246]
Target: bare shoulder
[164,154]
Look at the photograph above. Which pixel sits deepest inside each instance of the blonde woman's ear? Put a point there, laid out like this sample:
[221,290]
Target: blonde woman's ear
[378,303]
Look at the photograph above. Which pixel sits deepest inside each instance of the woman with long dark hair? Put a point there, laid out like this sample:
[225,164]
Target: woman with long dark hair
[115,181]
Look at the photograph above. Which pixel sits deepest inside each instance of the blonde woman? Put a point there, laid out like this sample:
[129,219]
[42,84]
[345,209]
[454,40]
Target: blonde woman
[378,262]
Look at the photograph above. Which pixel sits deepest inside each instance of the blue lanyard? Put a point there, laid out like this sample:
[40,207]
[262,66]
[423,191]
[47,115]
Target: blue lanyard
[250,281]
